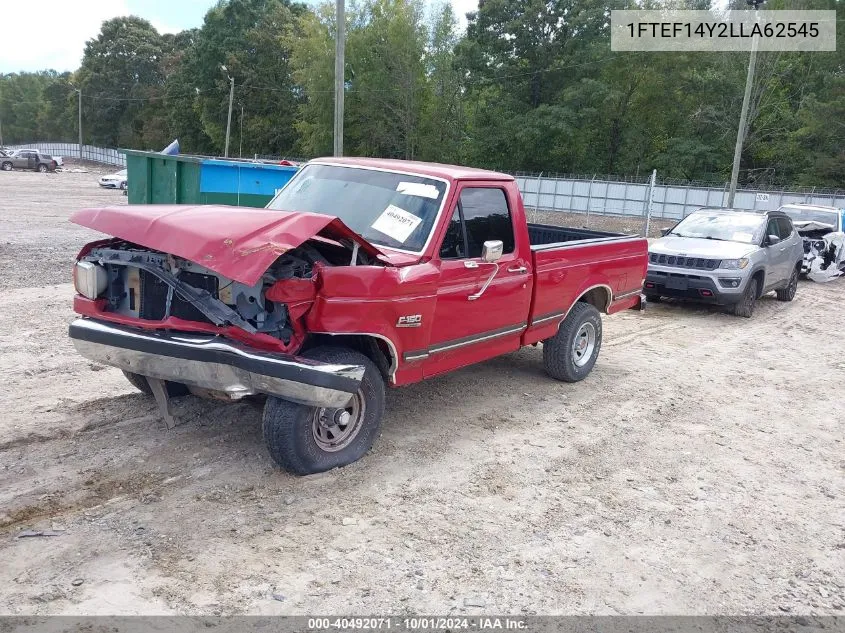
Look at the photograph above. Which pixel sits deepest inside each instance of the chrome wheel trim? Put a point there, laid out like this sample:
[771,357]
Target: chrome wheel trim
[335,429]
[584,344]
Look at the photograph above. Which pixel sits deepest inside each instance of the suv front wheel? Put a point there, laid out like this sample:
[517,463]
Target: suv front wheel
[745,306]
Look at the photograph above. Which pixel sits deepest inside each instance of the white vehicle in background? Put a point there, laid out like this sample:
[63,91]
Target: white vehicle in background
[823,231]
[114,181]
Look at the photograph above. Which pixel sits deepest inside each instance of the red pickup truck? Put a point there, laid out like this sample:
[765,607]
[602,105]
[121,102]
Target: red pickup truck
[360,274]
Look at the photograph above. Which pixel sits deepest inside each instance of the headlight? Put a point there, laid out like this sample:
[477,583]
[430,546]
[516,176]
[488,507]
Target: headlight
[89,279]
[734,264]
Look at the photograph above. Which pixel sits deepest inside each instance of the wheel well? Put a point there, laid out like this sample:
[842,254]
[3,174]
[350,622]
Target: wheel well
[373,347]
[598,297]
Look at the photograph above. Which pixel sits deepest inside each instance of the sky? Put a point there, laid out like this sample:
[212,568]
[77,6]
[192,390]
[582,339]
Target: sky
[52,33]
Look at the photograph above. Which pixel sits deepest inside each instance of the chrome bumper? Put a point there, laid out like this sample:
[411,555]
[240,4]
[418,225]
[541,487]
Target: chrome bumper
[211,362]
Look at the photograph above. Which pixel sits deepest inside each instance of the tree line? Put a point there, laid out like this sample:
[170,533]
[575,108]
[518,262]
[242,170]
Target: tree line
[529,85]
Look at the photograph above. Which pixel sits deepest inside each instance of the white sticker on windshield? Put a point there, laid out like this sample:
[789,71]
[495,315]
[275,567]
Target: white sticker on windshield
[419,189]
[396,223]
[739,236]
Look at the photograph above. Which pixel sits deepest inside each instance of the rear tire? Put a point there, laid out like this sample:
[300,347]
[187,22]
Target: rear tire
[788,293]
[123,185]
[174,389]
[570,354]
[6,166]
[652,298]
[304,440]
[745,306]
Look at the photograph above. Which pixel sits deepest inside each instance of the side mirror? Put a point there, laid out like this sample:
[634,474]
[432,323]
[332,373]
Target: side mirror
[665,232]
[492,251]
[771,240]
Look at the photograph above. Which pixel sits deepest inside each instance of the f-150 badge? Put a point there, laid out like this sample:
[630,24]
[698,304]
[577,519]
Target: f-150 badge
[410,320]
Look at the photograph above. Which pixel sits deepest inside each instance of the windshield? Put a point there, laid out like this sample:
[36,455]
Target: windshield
[812,215]
[731,226]
[385,208]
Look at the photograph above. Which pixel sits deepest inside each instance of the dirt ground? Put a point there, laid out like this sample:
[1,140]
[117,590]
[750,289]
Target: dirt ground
[700,469]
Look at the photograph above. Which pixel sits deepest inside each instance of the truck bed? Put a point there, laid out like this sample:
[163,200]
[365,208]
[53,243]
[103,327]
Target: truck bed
[542,236]
[571,262]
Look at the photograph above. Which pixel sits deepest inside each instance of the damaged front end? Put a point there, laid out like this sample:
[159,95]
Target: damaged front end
[211,326]
[824,251]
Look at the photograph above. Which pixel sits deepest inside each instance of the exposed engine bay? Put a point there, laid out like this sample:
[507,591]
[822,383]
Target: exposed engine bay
[824,251]
[147,284]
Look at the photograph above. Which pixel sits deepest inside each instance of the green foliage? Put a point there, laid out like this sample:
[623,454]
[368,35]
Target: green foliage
[530,85]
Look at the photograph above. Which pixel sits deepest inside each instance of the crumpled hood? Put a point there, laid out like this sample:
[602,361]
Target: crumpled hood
[805,226]
[699,247]
[240,243]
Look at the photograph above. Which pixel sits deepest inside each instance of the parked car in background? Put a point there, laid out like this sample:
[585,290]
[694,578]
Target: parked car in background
[58,159]
[360,274]
[727,257]
[28,159]
[823,231]
[114,181]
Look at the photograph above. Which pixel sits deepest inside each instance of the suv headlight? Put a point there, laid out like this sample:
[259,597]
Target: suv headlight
[89,279]
[734,264]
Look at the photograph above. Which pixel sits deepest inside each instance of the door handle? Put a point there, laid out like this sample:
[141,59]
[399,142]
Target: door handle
[492,276]
[518,269]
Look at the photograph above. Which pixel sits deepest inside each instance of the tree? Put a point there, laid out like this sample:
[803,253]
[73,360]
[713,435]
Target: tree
[442,118]
[249,38]
[120,75]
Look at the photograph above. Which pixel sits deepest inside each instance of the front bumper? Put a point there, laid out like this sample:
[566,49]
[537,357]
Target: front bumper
[697,285]
[212,362]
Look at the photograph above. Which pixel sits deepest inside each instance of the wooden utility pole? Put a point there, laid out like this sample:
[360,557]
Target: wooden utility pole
[339,75]
[743,117]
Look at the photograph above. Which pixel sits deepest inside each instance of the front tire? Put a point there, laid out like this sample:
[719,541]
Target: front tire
[42,168]
[745,306]
[305,440]
[570,354]
[788,293]
[7,166]
[123,185]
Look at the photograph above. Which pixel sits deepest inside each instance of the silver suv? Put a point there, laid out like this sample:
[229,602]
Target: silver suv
[728,257]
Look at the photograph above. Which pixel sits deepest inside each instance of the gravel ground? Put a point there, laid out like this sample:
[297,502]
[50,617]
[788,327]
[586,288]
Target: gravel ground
[699,470]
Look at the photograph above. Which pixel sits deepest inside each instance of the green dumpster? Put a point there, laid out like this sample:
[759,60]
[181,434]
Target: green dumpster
[154,178]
